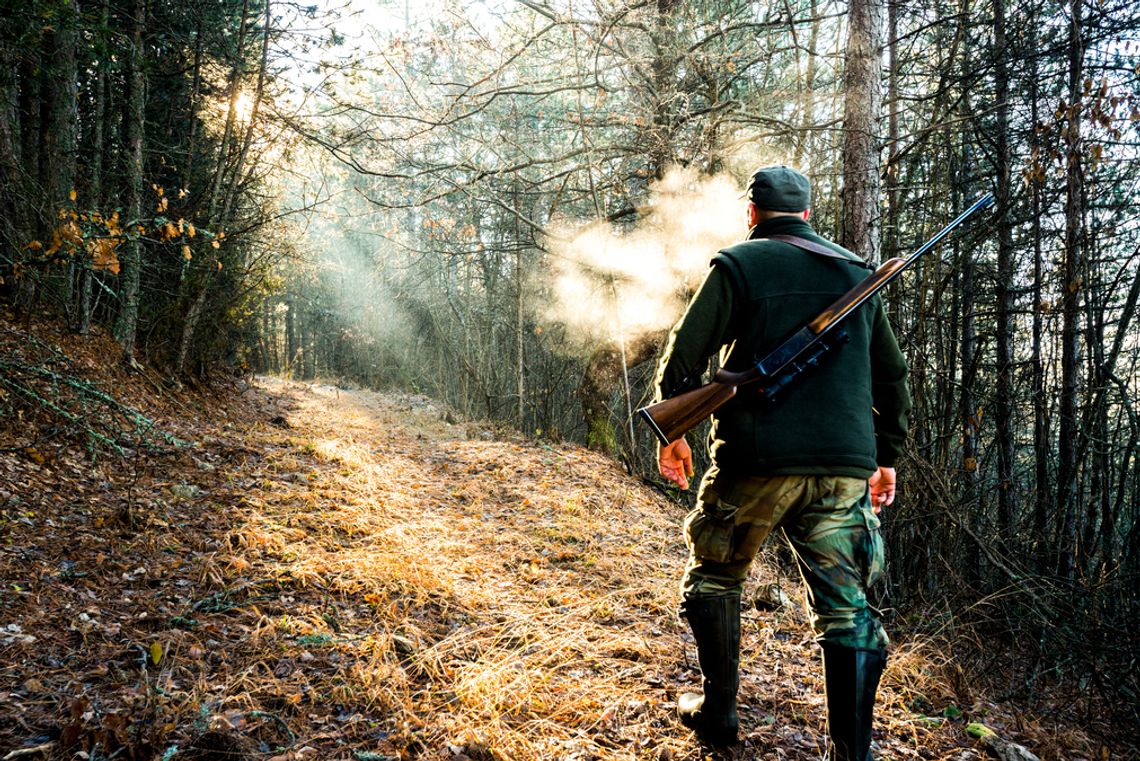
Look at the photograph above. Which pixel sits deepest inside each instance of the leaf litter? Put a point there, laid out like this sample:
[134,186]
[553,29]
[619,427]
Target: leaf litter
[327,573]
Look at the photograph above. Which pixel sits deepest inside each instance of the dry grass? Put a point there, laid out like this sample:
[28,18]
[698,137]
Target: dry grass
[366,581]
[514,616]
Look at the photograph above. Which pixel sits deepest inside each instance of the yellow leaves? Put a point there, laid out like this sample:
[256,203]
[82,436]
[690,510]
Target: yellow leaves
[163,201]
[73,195]
[103,256]
[445,229]
[1035,173]
[1095,153]
[92,238]
[219,266]
[970,464]
[975,421]
[66,237]
[156,652]
[71,233]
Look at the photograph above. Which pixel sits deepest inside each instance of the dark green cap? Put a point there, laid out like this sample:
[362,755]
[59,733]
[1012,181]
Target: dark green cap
[779,188]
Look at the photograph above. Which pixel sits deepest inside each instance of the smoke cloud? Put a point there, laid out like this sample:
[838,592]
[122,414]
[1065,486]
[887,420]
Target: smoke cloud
[614,283]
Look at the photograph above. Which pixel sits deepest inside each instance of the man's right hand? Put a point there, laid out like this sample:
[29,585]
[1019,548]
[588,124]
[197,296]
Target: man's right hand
[676,462]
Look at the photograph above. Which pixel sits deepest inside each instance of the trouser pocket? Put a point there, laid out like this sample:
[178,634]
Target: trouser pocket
[709,531]
[873,559]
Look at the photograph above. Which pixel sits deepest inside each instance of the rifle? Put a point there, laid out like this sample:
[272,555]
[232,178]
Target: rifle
[671,418]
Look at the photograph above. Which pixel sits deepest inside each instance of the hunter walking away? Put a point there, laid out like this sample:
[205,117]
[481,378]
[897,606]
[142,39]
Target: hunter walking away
[818,463]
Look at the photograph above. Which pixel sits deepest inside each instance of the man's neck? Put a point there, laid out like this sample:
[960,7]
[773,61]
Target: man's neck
[777,225]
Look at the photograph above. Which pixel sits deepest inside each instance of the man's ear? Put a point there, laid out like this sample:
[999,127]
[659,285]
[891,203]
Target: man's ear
[753,215]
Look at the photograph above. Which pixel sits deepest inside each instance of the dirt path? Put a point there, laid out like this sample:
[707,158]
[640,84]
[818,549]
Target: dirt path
[341,574]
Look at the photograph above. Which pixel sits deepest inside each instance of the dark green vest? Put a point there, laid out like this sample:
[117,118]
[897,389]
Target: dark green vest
[823,422]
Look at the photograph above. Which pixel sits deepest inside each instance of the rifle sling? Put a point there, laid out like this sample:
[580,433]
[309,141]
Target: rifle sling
[815,248]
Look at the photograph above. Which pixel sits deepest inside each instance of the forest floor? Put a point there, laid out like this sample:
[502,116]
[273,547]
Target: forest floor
[312,572]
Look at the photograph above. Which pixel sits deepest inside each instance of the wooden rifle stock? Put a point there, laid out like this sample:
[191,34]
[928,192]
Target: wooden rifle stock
[671,418]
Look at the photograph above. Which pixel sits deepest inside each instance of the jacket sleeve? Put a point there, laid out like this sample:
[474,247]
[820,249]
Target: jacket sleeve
[889,390]
[697,336]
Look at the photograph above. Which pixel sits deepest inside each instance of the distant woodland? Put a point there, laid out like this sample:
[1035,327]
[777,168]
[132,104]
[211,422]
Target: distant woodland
[505,205]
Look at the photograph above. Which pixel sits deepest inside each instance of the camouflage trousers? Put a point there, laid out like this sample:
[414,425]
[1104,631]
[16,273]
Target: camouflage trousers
[830,525]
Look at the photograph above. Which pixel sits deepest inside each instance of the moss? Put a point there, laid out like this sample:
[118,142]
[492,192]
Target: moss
[602,436]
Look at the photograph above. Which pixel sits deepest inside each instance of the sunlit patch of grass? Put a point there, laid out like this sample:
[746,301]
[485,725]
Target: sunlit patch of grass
[488,599]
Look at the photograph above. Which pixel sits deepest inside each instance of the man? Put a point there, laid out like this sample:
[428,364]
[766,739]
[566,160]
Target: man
[817,462]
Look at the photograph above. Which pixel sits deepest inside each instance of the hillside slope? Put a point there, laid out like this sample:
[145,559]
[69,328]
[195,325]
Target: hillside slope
[319,573]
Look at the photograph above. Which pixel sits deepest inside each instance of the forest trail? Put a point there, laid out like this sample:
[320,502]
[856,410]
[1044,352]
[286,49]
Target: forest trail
[339,574]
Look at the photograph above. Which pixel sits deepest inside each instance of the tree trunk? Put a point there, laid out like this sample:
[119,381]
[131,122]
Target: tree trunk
[660,154]
[861,144]
[807,91]
[95,180]
[255,109]
[13,223]
[1070,305]
[893,242]
[31,134]
[195,96]
[199,287]
[1041,449]
[1003,392]
[133,137]
[60,135]
[290,335]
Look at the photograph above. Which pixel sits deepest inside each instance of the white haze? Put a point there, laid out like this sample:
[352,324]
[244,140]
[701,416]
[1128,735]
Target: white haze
[612,283]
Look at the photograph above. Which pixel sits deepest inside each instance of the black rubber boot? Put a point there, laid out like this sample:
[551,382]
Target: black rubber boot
[852,678]
[715,622]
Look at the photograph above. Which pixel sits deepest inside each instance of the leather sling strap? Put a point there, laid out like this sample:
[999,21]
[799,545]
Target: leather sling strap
[815,248]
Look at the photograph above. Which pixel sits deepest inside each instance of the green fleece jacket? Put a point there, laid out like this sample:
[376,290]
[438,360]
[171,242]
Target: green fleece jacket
[846,417]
